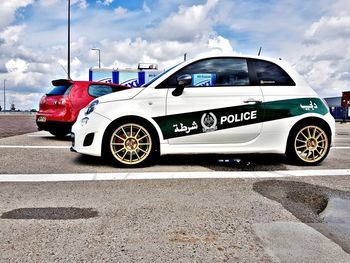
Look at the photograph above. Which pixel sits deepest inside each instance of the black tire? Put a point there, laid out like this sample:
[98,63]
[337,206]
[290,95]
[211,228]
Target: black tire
[308,143]
[131,143]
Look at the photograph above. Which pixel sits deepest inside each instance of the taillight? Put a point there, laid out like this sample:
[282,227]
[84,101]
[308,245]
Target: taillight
[62,102]
[42,102]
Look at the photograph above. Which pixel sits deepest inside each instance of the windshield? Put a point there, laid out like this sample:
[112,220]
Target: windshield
[59,90]
[158,76]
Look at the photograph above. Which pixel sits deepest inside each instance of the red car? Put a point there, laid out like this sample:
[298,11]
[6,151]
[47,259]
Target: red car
[59,108]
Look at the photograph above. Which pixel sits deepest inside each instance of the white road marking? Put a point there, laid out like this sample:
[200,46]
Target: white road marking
[167,175]
[40,135]
[340,147]
[35,146]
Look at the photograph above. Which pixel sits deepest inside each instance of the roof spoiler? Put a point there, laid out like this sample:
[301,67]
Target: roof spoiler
[60,82]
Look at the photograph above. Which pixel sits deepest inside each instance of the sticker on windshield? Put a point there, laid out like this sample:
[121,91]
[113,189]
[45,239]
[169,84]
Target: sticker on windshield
[202,80]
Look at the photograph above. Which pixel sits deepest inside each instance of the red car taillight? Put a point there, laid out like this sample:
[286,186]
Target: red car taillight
[62,101]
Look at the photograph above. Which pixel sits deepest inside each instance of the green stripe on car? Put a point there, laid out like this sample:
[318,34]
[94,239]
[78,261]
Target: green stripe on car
[184,124]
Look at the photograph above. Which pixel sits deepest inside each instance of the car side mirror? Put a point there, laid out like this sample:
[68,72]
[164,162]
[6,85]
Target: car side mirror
[182,82]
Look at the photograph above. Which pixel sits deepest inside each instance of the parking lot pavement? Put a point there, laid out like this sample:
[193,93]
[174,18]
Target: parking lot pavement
[203,220]
[16,124]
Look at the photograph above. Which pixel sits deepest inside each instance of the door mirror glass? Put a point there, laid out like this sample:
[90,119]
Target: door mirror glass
[182,82]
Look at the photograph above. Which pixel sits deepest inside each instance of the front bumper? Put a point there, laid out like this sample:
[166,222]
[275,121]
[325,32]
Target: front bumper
[93,128]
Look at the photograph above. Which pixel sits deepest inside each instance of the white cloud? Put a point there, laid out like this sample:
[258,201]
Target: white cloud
[120,11]
[187,24]
[12,34]
[220,43]
[329,27]
[325,54]
[105,2]
[80,3]
[17,65]
[47,3]
[8,10]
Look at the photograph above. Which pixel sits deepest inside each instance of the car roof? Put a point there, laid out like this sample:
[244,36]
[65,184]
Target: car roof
[285,65]
[235,55]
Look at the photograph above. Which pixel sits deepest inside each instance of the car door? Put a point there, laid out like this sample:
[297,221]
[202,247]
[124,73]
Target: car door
[219,107]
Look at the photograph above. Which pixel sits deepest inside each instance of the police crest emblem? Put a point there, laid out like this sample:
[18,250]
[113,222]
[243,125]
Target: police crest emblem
[209,122]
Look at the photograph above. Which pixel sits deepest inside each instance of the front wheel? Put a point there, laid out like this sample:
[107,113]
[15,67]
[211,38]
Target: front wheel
[308,144]
[131,145]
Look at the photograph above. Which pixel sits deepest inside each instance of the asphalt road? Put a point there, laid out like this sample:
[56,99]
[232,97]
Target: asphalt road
[287,219]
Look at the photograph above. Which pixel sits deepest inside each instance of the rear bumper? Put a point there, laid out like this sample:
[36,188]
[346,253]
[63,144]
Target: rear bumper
[54,125]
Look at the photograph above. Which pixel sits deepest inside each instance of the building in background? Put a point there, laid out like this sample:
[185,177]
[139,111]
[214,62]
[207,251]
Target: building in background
[340,106]
[128,77]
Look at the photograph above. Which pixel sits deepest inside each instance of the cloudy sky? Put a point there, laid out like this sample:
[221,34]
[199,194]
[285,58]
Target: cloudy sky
[314,36]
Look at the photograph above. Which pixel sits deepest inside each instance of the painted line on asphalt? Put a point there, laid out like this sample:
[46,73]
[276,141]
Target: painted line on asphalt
[167,175]
[40,135]
[34,146]
[340,147]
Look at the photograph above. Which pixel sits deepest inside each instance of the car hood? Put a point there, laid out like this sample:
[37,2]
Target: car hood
[120,95]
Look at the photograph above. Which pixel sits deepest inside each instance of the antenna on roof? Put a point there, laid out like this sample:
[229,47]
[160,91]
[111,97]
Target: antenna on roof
[63,68]
[259,51]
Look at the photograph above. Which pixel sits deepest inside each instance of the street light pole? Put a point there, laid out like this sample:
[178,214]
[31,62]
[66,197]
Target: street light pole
[99,56]
[68,59]
[4,95]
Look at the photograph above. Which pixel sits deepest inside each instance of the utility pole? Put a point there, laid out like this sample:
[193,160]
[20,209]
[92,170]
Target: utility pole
[68,59]
[4,95]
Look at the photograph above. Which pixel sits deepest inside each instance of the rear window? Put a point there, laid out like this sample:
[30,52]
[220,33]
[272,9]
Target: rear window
[271,75]
[100,90]
[60,90]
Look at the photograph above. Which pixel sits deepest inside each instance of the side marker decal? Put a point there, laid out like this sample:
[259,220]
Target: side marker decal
[184,124]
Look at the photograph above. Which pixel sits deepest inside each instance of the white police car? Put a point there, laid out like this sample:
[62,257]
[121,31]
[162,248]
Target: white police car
[222,104]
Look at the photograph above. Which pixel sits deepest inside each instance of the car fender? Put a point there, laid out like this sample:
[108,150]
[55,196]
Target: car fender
[131,109]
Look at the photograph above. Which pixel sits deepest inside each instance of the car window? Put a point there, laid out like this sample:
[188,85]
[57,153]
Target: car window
[59,90]
[270,74]
[96,90]
[213,72]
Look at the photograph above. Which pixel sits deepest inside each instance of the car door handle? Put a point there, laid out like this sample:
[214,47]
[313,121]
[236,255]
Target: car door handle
[251,100]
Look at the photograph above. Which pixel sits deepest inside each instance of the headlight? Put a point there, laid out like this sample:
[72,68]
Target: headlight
[91,107]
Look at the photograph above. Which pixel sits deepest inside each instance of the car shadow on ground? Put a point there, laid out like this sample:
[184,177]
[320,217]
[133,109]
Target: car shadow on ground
[215,162]
[54,138]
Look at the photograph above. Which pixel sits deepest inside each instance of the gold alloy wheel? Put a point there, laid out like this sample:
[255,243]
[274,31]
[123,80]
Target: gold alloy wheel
[311,144]
[131,144]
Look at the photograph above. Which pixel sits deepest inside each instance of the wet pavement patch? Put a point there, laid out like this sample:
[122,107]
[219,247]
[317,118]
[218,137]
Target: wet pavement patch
[323,208]
[50,213]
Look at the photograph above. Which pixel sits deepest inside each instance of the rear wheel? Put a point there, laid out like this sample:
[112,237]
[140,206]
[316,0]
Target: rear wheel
[308,144]
[131,144]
